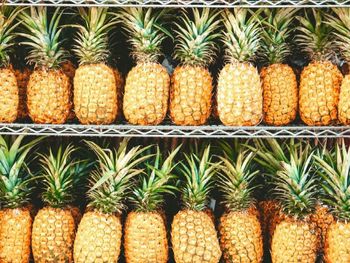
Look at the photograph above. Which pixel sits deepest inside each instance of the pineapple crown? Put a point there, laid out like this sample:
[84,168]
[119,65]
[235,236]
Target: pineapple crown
[198,173]
[15,189]
[7,25]
[114,176]
[334,169]
[43,37]
[241,36]
[91,43]
[340,22]
[156,181]
[195,41]
[235,178]
[295,185]
[275,47]
[61,176]
[145,31]
[315,35]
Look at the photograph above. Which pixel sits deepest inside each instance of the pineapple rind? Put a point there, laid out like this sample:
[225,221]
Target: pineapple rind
[344,101]
[337,242]
[9,97]
[22,77]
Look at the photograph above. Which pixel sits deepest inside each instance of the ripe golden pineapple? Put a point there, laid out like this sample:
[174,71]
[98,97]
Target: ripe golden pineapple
[98,238]
[333,169]
[239,92]
[9,97]
[145,228]
[280,87]
[95,84]
[22,76]
[15,216]
[191,82]
[193,233]
[241,237]
[54,225]
[319,81]
[147,84]
[49,89]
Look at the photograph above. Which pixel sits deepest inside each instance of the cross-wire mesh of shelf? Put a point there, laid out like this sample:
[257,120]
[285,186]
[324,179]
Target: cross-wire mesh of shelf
[187,3]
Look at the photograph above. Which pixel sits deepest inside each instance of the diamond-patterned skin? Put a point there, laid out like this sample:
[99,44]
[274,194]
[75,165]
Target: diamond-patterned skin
[9,95]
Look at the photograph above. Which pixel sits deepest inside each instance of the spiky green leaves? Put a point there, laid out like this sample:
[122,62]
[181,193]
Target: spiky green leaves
[195,39]
[158,179]
[276,32]
[43,37]
[91,42]
[15,189]
[315,35]
[334,169]
[7,25]
[198,172]
[114,176]
[145,31]
[61,175]
[241,36]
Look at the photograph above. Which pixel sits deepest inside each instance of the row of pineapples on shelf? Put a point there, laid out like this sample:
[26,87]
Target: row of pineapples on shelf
[307,218]
[244,97]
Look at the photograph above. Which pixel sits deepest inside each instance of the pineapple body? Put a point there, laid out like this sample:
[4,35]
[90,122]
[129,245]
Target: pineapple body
[49,96]
[145,238]
[15,233]
[190,95]
[53,235]
[241,237]
[294,241]
[280,92]
[194,238]
[323,219]
[9,97]
[239,95]
[337,243]
[98,238]
[146,94]
[319,93]
[22,77]
[95,94]
[69,69]
[344,102]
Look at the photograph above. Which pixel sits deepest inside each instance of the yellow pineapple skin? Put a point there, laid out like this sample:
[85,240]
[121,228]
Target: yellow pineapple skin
[319,93]
[9,95]
[239,95]
[194,238]
[145,238]
[98,238]
[241,237]
[280,93]
[22,77]
[344,102]
[190,95]
[53,235]
[49,96]
[294,241]
[337,247]
[15,234]
[146,94]
[95,94]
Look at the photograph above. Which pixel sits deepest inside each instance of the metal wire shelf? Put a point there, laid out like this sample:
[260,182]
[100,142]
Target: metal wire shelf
[186,3]
[212,131]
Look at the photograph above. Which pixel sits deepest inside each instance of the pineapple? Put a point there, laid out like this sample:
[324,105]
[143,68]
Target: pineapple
[193,233]
[191,82]
[240,229]
[146,92]
[95,84]
[69,69]
[98,238]
[239,92]
[15,192]
[319,81]
[9,97]
[49,89]
[145,228]
[22,76]
[341,24]
[279,82]
[334,171]
[54,225]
